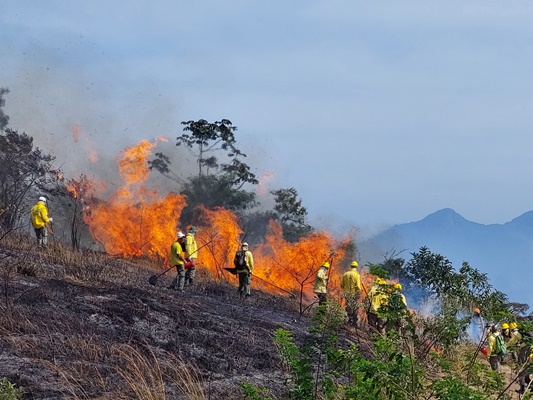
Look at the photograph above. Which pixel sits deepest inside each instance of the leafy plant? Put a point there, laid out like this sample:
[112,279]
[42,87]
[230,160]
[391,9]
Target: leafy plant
[8,391]
[252,392]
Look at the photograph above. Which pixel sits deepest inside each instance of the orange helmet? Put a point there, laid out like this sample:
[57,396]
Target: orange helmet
[477,310]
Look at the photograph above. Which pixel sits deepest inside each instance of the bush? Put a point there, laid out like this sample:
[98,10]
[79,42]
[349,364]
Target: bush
[8,391]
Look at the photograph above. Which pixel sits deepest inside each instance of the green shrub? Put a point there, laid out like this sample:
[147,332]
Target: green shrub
[8,391]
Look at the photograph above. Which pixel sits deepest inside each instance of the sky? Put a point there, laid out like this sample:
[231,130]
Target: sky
[378,113]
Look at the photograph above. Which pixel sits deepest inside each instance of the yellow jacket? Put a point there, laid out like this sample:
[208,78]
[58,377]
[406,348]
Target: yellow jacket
[191,249]
[378,297]
[321,280]
[176,249]
[249,262]
[516,337]
[491,344]
[351,282]
[39,215]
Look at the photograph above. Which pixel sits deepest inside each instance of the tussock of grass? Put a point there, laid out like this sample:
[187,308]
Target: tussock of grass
[148,377]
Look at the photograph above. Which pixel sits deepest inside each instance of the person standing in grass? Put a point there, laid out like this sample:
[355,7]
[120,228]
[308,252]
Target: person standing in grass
[351,285]
[244,264]
[321,283]
[40,220]
[178,260]
[191,254]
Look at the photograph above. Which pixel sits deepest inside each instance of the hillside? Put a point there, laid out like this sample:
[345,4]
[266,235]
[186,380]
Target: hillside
[84,325]
[503,251]
[70,328]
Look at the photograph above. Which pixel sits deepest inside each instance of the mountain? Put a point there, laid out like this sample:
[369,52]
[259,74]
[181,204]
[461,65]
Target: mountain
[503,251]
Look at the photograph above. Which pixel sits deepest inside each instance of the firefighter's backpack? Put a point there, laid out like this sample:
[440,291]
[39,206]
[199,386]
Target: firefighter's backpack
[500,347]
[240,260]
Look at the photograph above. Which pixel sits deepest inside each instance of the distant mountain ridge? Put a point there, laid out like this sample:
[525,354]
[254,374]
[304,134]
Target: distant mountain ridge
[503,251]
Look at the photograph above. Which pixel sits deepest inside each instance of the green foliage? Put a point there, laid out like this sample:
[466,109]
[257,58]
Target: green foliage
[8,391]
[23,168]
[299,363]
[454,389]
[291,214]
[377,270]
[252,392]
[394,266]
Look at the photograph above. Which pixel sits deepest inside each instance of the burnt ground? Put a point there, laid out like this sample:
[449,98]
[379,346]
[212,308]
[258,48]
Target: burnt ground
[97,329]
[90,326]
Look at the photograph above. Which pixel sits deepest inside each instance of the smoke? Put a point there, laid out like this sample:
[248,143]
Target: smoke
[3,117]
[76,115]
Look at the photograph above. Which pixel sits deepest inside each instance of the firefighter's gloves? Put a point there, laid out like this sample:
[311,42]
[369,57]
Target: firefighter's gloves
[50,220]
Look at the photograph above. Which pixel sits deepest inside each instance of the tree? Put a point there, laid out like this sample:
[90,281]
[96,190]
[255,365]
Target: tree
[78,193]
[22,169]
[218,184]
[291,214]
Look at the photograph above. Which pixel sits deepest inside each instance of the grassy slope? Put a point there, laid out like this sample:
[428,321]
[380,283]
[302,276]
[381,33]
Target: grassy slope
[86,325]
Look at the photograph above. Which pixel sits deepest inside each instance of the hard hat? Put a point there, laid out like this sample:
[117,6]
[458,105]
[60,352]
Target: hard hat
[477,310]
[326,264]
[180,235]
[43,199]
[505,325]
[398,286]
[193,229]
[245,244]
[513,325]
[354,264]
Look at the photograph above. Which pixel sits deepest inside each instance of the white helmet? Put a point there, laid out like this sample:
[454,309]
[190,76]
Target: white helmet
[245,244]
[43,199]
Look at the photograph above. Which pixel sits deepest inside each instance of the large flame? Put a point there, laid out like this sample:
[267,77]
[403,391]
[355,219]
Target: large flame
[136,221]
[140,222]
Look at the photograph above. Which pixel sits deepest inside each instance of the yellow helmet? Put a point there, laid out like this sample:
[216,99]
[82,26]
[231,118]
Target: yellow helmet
[513,325]
[398,286]
[326,264]
[505,325]
[354,264]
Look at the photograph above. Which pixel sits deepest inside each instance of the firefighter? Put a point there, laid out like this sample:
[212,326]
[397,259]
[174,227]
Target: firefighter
[191,254]
[506,332]
[478,325]
[515,339]
[178,260]
[378,296]
[321,279]
[397,307]
[495,348]
[245,272]
[351,285]
[40,221]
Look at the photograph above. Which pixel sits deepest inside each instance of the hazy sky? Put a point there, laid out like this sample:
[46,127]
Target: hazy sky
[376,112]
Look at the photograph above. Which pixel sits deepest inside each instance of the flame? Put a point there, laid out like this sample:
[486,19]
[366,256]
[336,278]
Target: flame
[136,221]
[140,222]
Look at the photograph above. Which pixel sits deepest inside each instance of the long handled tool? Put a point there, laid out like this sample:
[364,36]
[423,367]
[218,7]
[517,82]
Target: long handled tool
[153,279]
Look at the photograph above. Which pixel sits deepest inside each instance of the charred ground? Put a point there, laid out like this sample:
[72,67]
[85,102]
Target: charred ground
[77,325]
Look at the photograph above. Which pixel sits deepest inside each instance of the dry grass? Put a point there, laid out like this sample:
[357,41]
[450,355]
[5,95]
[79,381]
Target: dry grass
[148,378]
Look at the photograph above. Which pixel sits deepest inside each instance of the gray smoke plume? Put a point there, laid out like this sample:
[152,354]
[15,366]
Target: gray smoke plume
[3,117]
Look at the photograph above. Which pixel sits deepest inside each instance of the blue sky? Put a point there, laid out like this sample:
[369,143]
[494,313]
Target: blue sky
[376,112]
